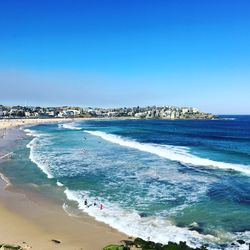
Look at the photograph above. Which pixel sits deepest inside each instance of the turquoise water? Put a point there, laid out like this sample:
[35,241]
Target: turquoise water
[153,178]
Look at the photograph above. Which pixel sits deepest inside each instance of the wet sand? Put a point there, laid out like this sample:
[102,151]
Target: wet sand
[32,220]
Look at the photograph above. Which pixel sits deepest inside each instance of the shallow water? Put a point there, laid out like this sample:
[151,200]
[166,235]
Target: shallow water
[154,178]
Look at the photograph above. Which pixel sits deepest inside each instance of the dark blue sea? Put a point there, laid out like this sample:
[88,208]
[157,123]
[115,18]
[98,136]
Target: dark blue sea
[157,179]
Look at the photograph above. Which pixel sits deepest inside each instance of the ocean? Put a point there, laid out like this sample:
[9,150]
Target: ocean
[181,180]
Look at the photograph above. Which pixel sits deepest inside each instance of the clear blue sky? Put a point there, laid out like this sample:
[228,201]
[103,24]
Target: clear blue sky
[125,53]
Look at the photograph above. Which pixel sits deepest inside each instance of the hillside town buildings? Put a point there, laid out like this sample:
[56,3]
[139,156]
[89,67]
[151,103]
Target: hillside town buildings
[150,112]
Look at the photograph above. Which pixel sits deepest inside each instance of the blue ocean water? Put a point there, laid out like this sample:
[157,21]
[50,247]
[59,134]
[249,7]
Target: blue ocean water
[163,180]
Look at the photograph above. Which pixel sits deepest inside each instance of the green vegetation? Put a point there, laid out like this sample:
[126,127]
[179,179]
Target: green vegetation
[150,245]
[114,247]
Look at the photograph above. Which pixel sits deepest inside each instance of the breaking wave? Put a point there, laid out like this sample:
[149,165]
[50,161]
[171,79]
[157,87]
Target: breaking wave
[40,160]
[173,153]
[132,224]
[72,126]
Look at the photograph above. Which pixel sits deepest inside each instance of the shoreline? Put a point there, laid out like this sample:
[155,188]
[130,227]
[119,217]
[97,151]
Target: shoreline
[15,122]
[12,123]
[32,206]
[37,220]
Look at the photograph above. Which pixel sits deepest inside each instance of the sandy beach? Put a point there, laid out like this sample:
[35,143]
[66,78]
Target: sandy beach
[33,221]
[10,123]
[37,222]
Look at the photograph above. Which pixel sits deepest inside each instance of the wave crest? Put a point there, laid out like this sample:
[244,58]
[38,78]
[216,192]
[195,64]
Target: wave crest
[173,153]
[71,126]
[39,160]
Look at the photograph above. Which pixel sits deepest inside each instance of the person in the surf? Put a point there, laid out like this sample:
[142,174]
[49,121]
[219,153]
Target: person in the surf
[86,202]
[101,206]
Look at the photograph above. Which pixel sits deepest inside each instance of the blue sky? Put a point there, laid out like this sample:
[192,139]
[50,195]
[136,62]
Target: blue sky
[126,53]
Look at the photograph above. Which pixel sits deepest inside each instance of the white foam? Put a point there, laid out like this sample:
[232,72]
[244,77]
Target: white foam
[30,132]
[42,163]
[59,184]
[130,222]
[174,153]
[244,236]
[5,179]
[72,126]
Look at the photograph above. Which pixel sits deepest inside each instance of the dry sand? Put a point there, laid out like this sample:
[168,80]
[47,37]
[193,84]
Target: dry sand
[10,123]
[32,220]
[36,222]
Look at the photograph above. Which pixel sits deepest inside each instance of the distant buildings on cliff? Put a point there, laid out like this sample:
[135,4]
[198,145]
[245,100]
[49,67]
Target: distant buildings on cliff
[152,112]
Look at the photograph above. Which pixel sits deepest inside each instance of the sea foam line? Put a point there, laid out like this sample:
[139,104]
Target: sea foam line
[172,153]
[33,157]
[132,224]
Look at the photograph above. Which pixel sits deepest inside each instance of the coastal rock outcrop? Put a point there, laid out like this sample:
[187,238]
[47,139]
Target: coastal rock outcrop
[195,227]
[139,243]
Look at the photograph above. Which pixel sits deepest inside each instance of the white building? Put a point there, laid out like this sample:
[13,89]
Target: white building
[69,112]
[140,115]
[184,110]
[195,110]
[51,113]
[172,116]
[27,114]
